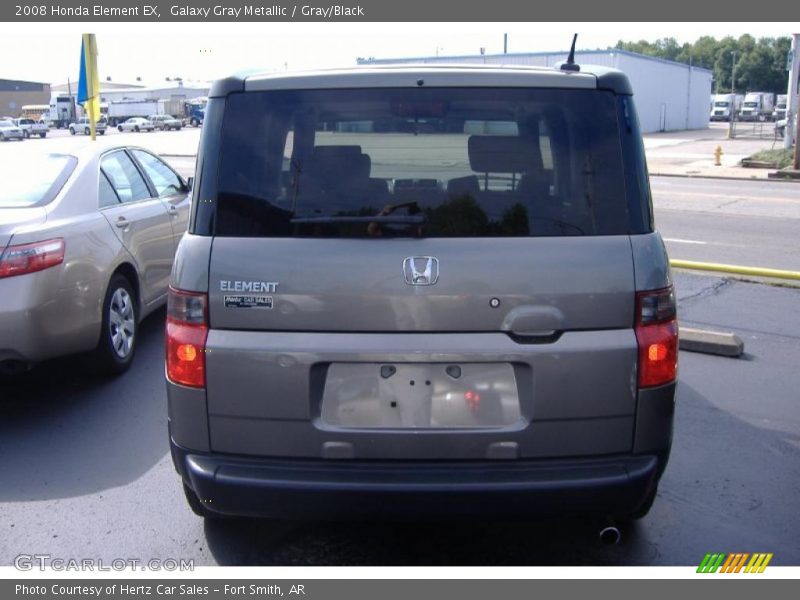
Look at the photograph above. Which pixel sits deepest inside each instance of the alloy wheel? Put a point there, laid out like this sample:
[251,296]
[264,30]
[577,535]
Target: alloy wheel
[121,322]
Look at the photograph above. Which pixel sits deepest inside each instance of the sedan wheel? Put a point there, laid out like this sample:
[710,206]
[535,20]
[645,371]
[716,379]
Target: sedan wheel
[120,327]
[26,133]
[136,128]
[121,321]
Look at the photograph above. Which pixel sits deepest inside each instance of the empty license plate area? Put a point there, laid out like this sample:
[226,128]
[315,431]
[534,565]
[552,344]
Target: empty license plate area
[397,395]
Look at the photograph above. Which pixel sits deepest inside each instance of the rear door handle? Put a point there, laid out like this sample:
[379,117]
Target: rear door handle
[173,210]
[122,223]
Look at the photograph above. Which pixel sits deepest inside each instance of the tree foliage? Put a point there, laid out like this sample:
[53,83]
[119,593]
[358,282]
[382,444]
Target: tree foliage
[760,64]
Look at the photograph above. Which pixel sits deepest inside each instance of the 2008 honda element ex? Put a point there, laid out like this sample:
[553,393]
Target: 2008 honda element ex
[421,291]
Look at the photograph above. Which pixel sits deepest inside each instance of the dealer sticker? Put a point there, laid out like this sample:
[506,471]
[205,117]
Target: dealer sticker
[248,301]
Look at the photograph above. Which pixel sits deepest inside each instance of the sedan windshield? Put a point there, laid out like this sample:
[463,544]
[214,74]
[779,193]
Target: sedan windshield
[33,180]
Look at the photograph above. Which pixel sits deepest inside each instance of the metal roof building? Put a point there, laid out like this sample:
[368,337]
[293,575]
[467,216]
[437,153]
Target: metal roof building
[669,96]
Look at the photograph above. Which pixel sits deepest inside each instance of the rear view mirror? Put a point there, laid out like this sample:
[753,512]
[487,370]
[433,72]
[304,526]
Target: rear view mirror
[190,182]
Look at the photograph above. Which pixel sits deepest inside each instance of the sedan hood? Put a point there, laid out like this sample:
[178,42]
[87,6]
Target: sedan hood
[13,220]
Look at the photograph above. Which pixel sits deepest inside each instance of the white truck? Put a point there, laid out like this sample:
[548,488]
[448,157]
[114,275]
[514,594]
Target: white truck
[780,107]
[62,110]
[30,127]
[122,110]
[757,106]
[725,107]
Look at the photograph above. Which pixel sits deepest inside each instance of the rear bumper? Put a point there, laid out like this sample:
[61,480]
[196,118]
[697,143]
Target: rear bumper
[315,489]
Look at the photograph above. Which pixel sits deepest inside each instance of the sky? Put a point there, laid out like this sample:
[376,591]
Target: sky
[206,51]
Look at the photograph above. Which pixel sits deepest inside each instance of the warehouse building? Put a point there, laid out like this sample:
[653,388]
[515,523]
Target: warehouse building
[669,96]
[15,94]
[115,91]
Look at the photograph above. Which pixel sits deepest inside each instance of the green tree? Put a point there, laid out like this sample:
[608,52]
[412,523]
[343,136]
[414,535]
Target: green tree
[760,64]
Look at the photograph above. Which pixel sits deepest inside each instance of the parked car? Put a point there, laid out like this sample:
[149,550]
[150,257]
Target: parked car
[9,131]
[83,126]
[421,290]
[136,124]
[30,127]
[165,122]
[86,246]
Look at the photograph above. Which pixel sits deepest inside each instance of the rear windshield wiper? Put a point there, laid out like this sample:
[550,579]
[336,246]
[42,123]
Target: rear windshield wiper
[419,219]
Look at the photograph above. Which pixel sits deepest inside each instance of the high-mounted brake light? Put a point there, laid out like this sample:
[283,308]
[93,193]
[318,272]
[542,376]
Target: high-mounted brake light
[29,258]
[657,337]
[187,332]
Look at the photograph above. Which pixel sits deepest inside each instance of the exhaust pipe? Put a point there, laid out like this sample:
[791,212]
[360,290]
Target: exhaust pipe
[609,535]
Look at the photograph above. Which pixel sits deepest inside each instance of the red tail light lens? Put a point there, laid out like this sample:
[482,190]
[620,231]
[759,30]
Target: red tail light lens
[657,337]
[29,258]
[187,332]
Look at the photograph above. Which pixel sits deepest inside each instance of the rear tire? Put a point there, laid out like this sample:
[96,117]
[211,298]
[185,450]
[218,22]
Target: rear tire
[119,332]
[86,131]
[71,131]
[42,135]
[26,134]
[136,128]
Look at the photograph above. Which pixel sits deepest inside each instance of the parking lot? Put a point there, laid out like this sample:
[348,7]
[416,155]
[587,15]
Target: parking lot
[86,471]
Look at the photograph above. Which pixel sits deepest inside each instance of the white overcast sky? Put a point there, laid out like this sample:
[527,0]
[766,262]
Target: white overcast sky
[204,51]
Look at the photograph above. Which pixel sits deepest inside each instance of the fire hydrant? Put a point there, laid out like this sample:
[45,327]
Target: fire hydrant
[717,156]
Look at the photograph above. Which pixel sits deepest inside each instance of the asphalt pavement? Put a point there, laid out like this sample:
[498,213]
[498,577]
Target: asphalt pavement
[85,468]
[751,223]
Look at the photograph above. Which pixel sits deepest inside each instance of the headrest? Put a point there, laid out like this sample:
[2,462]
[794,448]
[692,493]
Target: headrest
[503,154]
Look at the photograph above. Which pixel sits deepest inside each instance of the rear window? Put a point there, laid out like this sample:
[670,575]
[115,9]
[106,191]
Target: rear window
[33,179]
[432,162]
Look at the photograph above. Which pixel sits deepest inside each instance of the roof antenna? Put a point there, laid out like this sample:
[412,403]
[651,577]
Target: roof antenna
[570,64]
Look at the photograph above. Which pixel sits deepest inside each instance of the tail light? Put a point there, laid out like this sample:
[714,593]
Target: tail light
[187,332]
[657,337]
[29,258]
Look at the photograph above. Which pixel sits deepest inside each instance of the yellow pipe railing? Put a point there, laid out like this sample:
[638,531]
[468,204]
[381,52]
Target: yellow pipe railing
[736,269]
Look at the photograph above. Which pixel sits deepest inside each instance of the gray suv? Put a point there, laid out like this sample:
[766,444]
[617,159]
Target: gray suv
[421,291]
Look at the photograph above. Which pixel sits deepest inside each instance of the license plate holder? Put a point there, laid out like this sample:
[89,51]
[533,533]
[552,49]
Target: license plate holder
[420,395]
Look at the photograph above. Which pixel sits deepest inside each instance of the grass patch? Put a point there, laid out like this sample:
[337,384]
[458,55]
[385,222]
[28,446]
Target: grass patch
[782,157]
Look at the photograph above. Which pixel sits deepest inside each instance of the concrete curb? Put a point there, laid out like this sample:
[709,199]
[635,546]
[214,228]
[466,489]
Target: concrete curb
[726,177]
[710,342]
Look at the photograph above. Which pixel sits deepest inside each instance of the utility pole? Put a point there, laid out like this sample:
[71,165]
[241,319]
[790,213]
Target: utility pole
[73,111]
[732,119]
[791,104]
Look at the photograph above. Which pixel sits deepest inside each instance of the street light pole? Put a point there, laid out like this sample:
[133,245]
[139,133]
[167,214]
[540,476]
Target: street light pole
[732,117]
[791,98]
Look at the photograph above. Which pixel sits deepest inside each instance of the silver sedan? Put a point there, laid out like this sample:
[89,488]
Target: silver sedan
[136,124]
[87,241]
[9,131]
